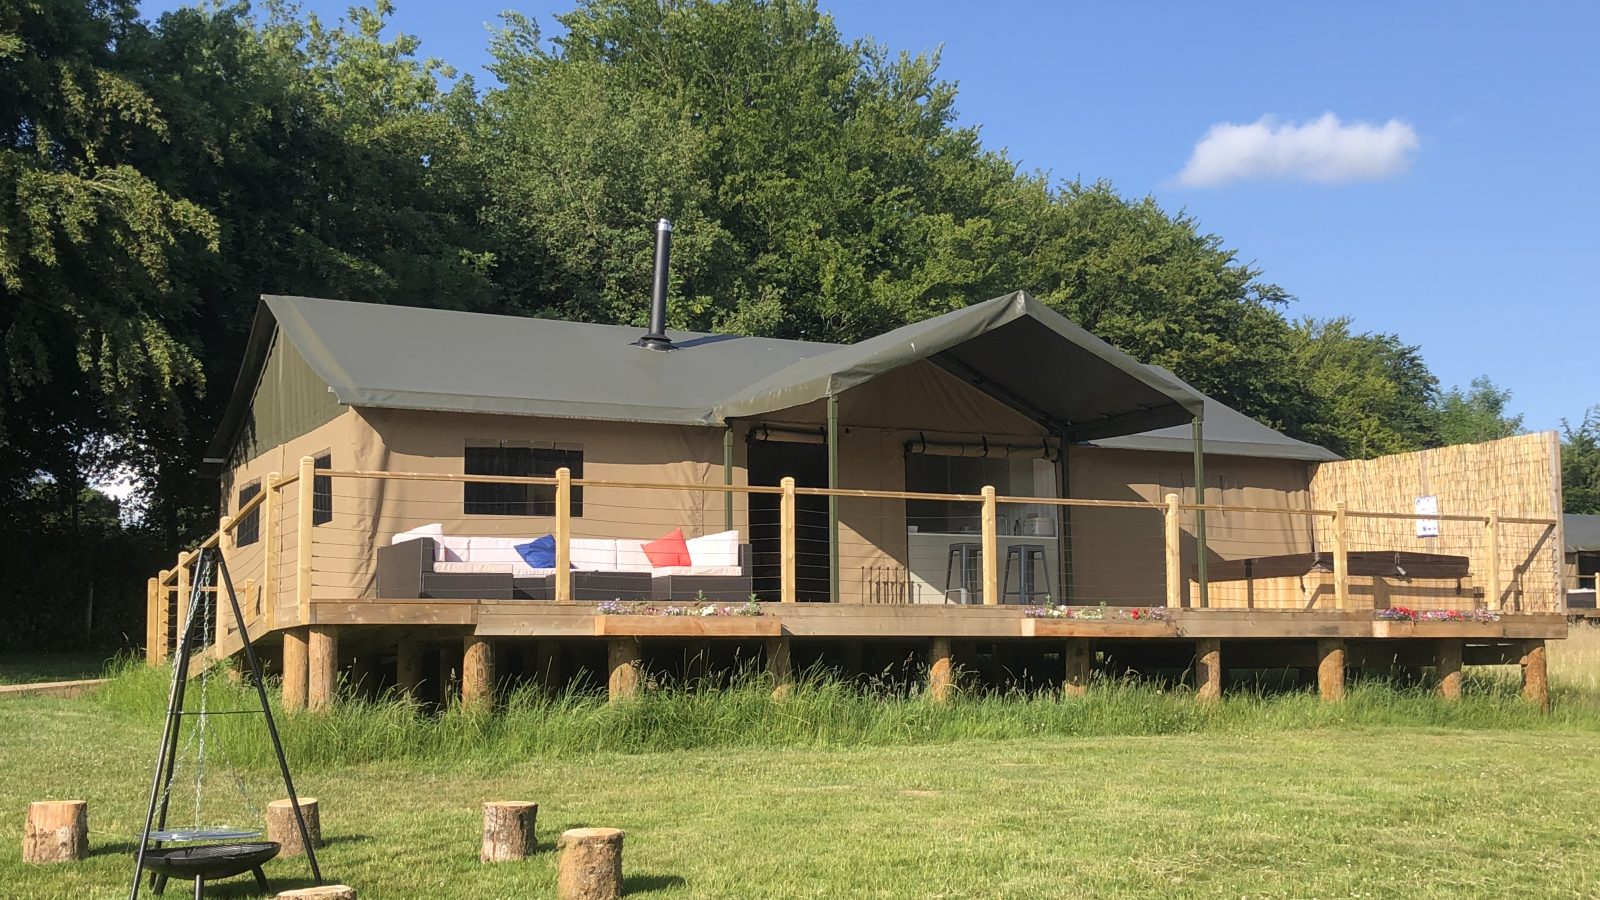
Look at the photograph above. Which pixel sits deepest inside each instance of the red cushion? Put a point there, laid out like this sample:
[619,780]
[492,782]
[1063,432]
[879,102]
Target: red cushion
[671,550]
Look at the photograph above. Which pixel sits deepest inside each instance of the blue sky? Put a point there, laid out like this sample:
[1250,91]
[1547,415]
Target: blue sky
[1463,219]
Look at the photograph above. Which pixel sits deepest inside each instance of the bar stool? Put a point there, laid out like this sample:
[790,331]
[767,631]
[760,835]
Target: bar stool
[969,556]
[1026,556]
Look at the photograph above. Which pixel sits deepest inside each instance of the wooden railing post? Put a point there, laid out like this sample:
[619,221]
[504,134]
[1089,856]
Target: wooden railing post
[269,551]
[182,610]
[563,535]
[1174,539]
[991,549]
[1496,596]
[1341,557]
[163,619]
[219,593]
[152,622]
[786,541]
[306,501]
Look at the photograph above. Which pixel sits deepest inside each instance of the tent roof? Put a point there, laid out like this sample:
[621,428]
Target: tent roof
[1582,533]
[1013,348]
[1228,432]
[1010,347]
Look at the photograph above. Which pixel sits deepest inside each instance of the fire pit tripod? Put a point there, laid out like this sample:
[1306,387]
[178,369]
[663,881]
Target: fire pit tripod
[207,852]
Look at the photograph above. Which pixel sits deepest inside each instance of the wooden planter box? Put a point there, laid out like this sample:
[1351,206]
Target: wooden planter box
[688,626]
[1404,629]
[1115,628]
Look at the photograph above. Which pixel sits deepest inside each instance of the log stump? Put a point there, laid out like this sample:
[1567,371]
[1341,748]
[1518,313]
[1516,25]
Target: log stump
[1449,669]
[56,831]
[1208,670]
[508,830]
[322,892]
[1330,670]
[282,828]
[591,864]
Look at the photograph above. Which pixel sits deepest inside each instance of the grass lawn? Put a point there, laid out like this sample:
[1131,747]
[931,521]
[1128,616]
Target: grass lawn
[1268,798]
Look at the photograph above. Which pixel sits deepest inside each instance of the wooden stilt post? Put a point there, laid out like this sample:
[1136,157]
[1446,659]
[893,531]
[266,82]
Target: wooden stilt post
[1449,667]
[789,591]
[1330,669]
[563,535]
[164,629]
[1079,656]
[1341,557]
[625,658]
[295,671]
[780,665]
[991,549]
[152,623]
[940,675]
[183,592]
[1208,670]
[322,666]
[1535,675]
[477,673]
[1174,542]
[408,669]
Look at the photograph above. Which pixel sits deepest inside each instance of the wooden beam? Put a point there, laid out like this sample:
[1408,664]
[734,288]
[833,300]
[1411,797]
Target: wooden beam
[991,549]
[271,526]
[625,658]
[181,615]
[477,673]
[1341,557]
[1208,670]
[295,672]
[789,591]
[1079,657]
[152,623]
[306,500]
[563,590]
[1449,668]
[1535,675]
[1174,541]
[322,666]
[940,670]
[408,669]
[1496,598]
[1330,669]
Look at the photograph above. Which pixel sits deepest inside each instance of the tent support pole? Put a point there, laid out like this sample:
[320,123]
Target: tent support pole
[1204,599]
[833,502]
[727,478]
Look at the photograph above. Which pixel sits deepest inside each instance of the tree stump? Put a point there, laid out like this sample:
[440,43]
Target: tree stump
[56,831]
[591,864]
[508,830]
[1330,669]
[1208,670]
[282,828]
[322,892]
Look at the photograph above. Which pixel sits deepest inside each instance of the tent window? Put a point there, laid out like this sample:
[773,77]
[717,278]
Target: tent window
[519,459]
[322,492]
[248,529]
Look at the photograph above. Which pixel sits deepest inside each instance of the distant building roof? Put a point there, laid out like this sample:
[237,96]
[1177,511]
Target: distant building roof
[1582,533]
[373,355]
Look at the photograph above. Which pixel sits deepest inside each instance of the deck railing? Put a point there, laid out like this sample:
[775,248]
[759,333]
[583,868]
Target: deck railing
[312,536]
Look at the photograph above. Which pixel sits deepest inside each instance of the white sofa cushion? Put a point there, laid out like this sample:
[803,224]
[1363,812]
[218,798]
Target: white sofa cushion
[631,557]
[433,530]
[698,570]
[594,554]
[519,569]
[719,550]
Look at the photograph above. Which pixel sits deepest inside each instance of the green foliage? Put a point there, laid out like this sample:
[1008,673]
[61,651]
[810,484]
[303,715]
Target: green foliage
[1477,414]
[1373,391]
[1580,464]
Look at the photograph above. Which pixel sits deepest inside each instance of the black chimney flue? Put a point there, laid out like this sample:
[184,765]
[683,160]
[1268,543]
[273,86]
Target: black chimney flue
[656,338]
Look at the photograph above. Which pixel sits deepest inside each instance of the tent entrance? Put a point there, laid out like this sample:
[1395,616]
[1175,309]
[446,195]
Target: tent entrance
[769,462]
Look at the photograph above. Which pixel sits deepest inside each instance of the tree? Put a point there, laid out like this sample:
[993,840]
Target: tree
[1475,415]
[1580,464]
[1373,392]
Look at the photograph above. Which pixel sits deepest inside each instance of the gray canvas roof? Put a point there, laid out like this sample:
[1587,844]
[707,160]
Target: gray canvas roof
[1582,533]
[1228,432]
[1011,347]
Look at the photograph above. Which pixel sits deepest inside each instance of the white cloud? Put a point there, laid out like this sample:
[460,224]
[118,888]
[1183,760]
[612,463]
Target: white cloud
[1325,150]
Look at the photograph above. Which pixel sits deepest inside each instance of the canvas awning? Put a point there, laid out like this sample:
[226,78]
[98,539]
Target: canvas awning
[1013,348]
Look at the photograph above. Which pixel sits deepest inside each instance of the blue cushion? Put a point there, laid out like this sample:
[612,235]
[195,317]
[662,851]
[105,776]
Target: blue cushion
[539,553]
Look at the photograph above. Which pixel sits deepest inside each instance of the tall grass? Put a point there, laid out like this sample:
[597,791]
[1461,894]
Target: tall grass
[819,712]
